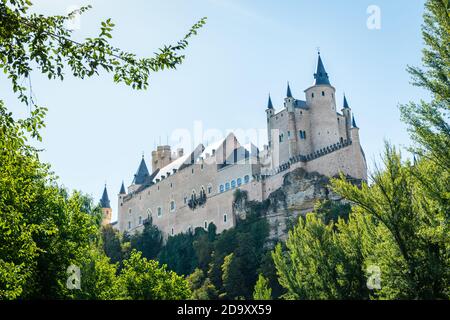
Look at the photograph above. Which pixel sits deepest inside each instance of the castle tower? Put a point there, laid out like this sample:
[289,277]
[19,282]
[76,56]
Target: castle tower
[122,194]
[161,157]
[321,101]
[354,131]
[269,112]
[347,112]
[106,208]
[289,103]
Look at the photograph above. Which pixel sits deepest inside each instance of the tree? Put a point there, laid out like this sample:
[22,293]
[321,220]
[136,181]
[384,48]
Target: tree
[428,122]
[98,278]
[43,229]
[111,243]
[145,280]
[179,254]
[262,289]
[411,229]
[202,287]
[33,39]
[149,241]
[322,261]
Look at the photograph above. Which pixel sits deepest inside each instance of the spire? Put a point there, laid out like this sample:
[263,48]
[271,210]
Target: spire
[104,201]
[345,103]
[321,76]
[289,93]
[354,122]
[122,189]
[142,173]
[269,103]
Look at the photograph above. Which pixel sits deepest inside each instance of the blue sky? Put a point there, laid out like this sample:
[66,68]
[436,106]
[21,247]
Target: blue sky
[97,130]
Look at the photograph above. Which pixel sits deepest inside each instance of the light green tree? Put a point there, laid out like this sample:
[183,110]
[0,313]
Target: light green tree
[145,280]
[262,289]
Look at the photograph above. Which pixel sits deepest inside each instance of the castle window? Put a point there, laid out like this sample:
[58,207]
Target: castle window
[201,166]
[221,188]
[239,181]
[172,206]
[129,225]
[227,186]
[171,185]
[342,140]
[140,220]
[289,134]
[247,179]
[159,212]
[233,184]
[206,225]
[209,189]
[312,95]
[185,200]
[224,218]
[172,231]
[300,134]
[192,170]
[323,93]
[129,211]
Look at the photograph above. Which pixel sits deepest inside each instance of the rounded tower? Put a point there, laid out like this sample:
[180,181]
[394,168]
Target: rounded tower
[106,208]
[322,105]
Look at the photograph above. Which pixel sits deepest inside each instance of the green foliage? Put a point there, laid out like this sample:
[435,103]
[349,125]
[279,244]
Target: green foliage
[179,254]
[145,279]
[202,288]
[43,229]
[321,262]
[428,121]
[111,243]
[330,211]
[410,227]
[262,289]
[149,242]
[29,39]
[98,278]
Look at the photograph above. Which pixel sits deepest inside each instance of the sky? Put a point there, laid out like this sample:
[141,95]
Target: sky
[97,130]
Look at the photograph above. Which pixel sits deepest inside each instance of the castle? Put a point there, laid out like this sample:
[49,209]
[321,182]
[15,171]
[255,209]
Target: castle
[185,191]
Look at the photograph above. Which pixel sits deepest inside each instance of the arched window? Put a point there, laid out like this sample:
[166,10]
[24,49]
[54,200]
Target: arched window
[172,206]
[221,188]
[129,225]
[172,231]
[247,179]
[225,218]
[140,220]
[227,186]
[233,184]
[159,212]
[239,181]
[206,225]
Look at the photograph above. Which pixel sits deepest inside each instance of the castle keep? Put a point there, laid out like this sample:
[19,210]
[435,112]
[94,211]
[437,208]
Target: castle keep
[184,191]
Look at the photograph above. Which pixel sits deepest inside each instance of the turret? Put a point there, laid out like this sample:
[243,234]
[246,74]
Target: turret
[269,112]
[289,100]
[346,111]
[354,131]
[289,103]
[106,208]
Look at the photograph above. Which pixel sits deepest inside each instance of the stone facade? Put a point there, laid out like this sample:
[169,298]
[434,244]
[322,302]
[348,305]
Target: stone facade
[186,191]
